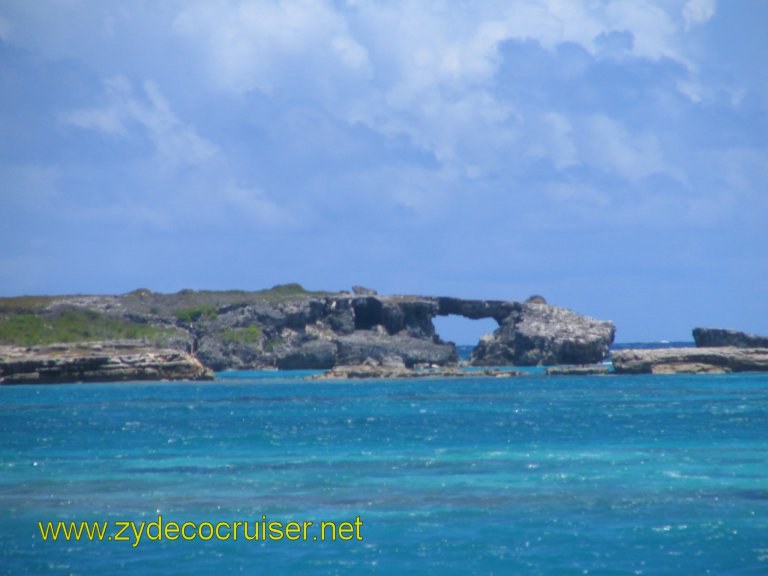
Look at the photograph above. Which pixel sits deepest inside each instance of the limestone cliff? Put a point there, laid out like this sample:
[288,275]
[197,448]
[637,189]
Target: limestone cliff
[534,333]
[96,362]
[290,328]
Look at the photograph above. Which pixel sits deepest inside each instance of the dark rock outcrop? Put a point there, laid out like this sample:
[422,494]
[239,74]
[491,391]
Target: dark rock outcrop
[343,329]
[363,291]
[319,354]
[690,360]
[97,362]
[717,337]
[359,346]
[289,327]
[535,333]
[499,310]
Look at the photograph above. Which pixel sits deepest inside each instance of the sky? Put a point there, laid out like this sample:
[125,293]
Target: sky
[610,155]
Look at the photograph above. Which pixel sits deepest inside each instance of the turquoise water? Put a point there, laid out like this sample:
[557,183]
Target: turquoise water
[529,475]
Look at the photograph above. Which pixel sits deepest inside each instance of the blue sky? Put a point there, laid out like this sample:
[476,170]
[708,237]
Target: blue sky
[611,155]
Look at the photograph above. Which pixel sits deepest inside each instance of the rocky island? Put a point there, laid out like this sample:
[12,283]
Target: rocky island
[717,351]
[288,327]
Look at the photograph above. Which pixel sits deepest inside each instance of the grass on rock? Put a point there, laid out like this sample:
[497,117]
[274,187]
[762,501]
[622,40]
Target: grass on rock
[74,326]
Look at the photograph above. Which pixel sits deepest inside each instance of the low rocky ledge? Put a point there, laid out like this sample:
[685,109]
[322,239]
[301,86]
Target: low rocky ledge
[711,360]
[585,370]
[97,362]
[392,368]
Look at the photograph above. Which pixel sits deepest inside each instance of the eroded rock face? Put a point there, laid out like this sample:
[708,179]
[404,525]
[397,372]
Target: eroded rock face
[288,327]
[499,310]
[691,360]
[359,346]
[717,337]
[318,354]
[97,362]
[535,333]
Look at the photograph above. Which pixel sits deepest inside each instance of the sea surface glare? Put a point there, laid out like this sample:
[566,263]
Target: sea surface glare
[527,475]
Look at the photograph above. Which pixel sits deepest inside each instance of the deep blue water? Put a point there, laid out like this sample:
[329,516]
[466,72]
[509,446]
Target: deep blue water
[529,475]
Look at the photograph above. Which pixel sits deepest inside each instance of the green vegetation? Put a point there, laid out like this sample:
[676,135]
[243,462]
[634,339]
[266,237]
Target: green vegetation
[272,343]
[287,289]
[288,292]
[193,305]
[140,293]
[21,304]
[248,335]
[37,320]
[195,313]
[74,326]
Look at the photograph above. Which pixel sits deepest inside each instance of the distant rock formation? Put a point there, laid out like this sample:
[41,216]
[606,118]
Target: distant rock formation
[691,360]
[363,291]
[409,349]
[717,337]
[393,367]
[288,327]
[96,362]
[534,333]
[583,370]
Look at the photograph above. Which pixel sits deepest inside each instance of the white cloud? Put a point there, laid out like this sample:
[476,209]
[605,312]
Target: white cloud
[697,12]
[253,45]
[653,28]
[744,176]
[555,141]
[428,70]
[574,204]
[411,46]
[109,118]
[425,72]
[254,205]
[351,54]
[175,142]
[608,146]
[126,113]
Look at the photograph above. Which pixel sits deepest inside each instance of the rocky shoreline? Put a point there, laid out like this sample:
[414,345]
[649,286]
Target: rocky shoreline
[347,329]
[717,351]
[358,334]
[97,362]
[288,327]
[393,368]
[711,360]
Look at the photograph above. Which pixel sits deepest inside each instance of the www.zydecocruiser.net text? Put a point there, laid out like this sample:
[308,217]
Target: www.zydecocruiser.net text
[263,530]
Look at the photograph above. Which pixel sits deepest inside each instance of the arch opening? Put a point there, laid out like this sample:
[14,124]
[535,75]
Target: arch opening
[462,331]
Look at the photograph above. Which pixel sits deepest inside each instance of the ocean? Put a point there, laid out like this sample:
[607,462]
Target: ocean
[525,475]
